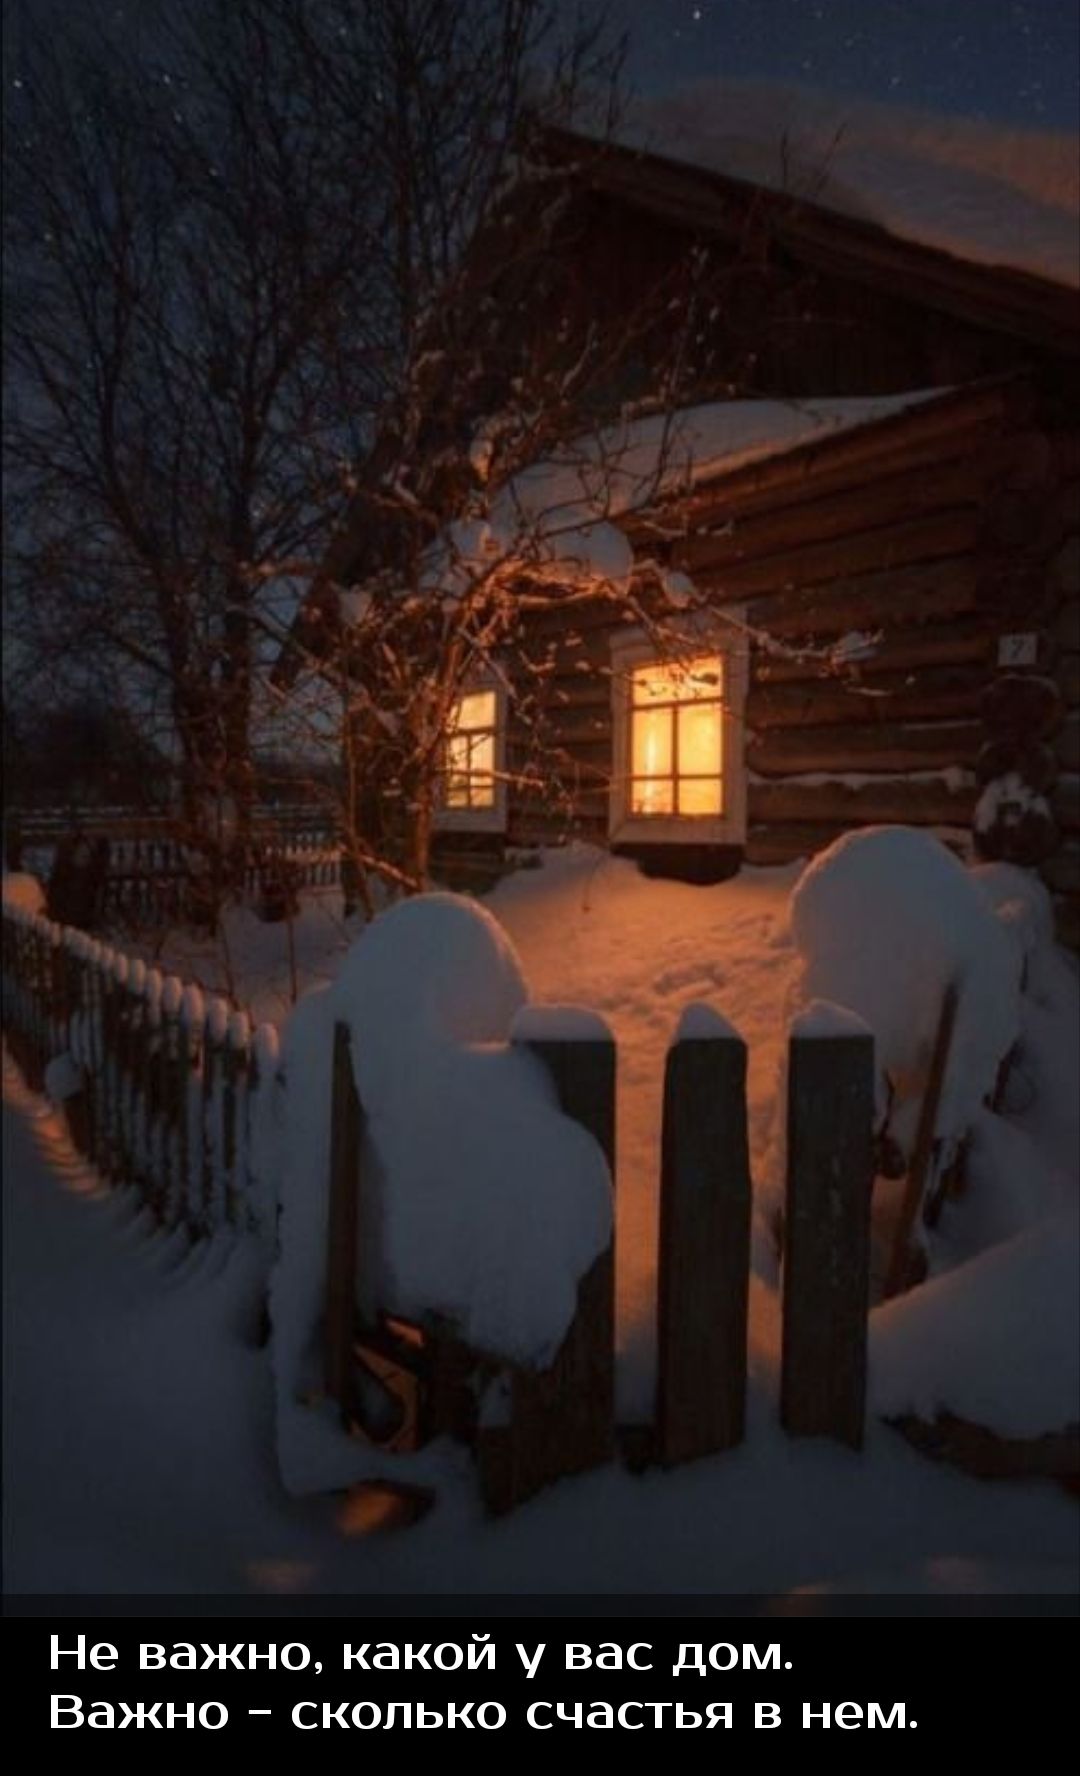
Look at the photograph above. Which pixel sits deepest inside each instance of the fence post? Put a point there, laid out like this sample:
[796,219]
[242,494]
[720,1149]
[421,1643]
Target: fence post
[346,1121]
[172,1072]
[235,1070]
[704,1261]
[830,1175]
[563,1420]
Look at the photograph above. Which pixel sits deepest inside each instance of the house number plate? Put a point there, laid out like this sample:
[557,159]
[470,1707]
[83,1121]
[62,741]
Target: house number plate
[1018,650]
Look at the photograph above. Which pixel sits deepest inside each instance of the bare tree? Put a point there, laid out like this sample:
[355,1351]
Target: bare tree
[535,421]
[224,241]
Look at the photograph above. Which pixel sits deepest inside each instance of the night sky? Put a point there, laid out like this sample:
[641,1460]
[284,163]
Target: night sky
[1016,60]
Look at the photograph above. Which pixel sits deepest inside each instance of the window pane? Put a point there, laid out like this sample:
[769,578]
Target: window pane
[651,749]
[700,795]
[700,741]
[482,752]
[458,747]
[481,791]
[655,797]
[679,681]
[477,710]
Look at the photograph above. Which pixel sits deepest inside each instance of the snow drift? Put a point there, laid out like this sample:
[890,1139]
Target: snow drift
[883,921]
[993,1342]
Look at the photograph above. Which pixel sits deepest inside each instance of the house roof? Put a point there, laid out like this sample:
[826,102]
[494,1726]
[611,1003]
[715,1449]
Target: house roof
[988,193]
[1032,306]
[1034,309]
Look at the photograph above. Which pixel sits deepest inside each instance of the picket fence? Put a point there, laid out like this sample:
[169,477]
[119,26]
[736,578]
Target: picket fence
[167,1100]
[148,876]
[161,1084]
[563,1421]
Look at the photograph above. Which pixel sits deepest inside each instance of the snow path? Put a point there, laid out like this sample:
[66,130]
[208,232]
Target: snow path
[138,1456]
[137,1415]
[639,951]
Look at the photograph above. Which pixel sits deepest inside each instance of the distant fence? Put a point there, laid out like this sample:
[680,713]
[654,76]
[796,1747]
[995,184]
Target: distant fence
[143,873]
[163,1088]
[166,1094]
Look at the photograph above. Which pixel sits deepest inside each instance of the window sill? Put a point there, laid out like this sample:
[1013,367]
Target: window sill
[467,820]
[676,829]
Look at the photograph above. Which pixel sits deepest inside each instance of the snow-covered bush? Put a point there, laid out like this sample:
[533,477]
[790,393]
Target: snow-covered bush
[481,1202]
[883,921]
[993,1342]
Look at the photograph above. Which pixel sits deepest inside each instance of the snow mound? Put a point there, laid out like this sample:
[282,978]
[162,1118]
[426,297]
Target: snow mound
[985,193]
[1020,900]
[482,1204]
[883,921]
[24,892]
[432,970]
[993,1342]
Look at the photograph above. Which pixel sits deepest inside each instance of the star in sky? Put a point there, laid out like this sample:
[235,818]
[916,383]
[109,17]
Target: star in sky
[1015,61]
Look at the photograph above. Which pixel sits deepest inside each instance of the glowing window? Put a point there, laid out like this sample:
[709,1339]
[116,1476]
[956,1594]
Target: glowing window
[469,774]
[676,738]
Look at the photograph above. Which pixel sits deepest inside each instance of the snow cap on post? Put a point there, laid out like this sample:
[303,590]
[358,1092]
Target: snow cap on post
[559,1023]
[822,1021]
[703,1023]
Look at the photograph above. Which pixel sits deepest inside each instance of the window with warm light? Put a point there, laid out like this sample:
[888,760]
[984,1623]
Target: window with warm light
[469,778]
[678,743]
[676,739]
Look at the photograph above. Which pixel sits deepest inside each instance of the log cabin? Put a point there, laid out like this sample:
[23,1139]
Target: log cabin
[892,531]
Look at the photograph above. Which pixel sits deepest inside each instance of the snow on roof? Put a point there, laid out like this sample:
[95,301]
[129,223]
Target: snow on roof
[626,466]
[983,192]
[560,514]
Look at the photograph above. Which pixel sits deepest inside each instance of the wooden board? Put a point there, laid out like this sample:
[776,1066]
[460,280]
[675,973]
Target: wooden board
[704,1259]
[826,1275]
[887,749]
[341,1227]
[842,804]
[708,559]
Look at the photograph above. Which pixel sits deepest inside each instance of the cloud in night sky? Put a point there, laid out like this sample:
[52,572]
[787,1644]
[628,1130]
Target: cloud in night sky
[1015,60]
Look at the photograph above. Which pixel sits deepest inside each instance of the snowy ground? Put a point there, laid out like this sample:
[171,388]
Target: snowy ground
[138,1457]
[138,1406]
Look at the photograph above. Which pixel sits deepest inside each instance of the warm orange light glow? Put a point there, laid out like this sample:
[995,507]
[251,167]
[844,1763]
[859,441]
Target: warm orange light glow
[470,752]
[676,738]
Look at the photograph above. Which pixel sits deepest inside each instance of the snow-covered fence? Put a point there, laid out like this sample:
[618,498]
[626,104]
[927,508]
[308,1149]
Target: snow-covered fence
[171,1095]
[529,1425]
[562,1420]
[159,882]
[163,1089]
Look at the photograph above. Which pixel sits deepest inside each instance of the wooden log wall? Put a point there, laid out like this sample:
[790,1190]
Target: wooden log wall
[909,537]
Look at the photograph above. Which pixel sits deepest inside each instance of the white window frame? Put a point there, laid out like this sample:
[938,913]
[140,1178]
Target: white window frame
[636,648]
[491,819]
